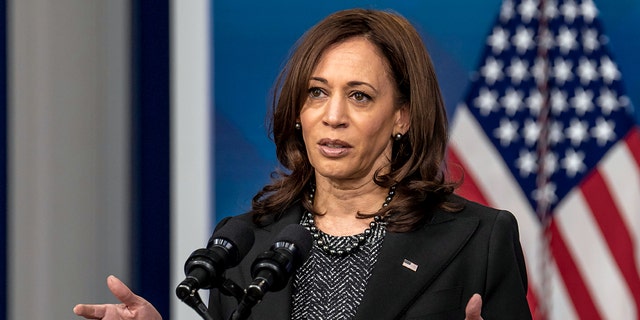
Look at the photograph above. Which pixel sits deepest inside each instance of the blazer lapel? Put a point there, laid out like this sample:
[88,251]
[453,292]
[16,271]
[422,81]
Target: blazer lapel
[409,263]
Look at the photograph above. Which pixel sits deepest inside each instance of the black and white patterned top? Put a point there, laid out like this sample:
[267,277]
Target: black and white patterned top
[329,287]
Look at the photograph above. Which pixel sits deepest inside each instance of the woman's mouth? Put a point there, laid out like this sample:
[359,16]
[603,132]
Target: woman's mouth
[334,148]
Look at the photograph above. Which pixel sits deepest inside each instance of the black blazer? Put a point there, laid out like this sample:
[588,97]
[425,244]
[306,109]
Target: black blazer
[476,250]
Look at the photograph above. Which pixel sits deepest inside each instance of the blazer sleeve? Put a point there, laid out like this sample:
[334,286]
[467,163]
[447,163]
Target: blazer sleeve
[506,282]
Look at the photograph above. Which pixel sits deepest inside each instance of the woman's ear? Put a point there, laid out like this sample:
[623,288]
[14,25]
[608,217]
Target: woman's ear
[402,120]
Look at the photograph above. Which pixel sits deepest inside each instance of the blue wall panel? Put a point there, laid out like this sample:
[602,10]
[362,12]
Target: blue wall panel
[151,152]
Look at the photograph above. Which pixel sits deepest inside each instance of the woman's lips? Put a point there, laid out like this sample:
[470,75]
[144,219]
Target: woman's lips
[334,148]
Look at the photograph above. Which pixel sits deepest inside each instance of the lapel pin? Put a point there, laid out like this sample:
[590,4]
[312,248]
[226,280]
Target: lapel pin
[410,265]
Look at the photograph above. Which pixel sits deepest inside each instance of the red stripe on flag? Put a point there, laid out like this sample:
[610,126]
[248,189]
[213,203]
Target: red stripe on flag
[613,228]
[576,288]
[633,143]
[469,189]
[534,306]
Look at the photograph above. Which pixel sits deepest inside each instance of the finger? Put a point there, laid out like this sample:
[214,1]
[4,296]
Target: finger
[90,311]
[474,308]
[122,292]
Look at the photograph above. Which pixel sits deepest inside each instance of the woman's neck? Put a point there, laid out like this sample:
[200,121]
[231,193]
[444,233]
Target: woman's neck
[339,204]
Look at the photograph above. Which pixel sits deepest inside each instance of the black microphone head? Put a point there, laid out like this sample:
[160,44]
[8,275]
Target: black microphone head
[226,248]
[239,234]
[301,238]
[272,269]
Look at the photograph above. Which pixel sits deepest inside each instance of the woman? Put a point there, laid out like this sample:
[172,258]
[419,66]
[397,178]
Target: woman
[361,131]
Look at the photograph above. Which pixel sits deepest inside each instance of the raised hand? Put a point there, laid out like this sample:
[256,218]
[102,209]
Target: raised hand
[132,306]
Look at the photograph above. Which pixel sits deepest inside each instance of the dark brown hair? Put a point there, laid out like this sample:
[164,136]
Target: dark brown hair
[417,164]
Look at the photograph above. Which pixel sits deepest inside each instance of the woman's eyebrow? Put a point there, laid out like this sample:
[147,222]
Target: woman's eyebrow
[353,83]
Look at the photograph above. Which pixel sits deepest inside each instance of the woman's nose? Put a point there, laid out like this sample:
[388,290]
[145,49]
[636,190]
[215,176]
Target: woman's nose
[335,114]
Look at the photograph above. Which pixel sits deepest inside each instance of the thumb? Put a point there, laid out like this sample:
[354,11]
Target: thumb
[474,307]
[122,292]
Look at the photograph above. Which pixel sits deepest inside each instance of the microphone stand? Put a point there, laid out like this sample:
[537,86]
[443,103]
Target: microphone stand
[254,294]
[194,301]
[250,299]
[192,298]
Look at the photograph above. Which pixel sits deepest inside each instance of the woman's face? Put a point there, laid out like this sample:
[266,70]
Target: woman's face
[350,113]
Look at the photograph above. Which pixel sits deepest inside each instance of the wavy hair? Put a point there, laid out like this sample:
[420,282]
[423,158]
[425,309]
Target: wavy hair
[417,164]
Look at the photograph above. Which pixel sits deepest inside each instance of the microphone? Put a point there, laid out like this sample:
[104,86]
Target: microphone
[204,267]
[272,269]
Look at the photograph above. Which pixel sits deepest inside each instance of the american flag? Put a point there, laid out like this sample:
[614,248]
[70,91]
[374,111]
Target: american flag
[547,132]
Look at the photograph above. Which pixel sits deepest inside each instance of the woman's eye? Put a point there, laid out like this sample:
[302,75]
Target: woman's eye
[315,92]
[360,96]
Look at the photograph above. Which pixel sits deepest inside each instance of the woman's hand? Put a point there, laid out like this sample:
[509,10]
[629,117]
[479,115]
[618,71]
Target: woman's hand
[474,306]
[132,306]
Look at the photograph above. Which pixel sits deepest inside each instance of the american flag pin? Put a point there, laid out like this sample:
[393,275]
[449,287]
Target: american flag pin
[410,265]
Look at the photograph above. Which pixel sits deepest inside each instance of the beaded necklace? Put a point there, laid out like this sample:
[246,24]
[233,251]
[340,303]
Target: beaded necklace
[361,238]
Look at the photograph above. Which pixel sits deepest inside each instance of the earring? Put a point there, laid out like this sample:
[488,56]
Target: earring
[298,126]
[397,136]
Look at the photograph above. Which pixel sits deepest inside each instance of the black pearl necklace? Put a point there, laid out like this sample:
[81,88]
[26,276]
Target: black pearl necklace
[309,223]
